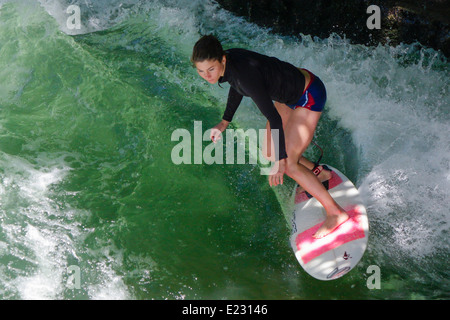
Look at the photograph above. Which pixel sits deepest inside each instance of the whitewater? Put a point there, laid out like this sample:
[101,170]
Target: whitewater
[92,206]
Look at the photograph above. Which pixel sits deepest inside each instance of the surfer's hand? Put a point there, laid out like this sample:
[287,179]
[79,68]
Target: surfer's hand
[216,132]
[277,173]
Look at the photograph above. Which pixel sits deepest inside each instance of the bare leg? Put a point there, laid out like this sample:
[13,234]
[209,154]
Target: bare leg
[299,132]
[323,176]
[269,153]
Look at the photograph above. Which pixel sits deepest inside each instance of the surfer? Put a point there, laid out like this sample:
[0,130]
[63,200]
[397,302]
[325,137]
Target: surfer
[290,98]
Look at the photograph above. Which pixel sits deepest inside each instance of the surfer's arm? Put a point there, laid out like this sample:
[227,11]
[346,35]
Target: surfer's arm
[233,102]
[218,129]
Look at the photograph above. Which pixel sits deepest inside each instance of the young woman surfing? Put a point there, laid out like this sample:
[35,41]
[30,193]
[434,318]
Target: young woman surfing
[291,99]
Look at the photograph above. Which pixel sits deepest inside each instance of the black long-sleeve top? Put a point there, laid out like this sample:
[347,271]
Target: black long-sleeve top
[264,79]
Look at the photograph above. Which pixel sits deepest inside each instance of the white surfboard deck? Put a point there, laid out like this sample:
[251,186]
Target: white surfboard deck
[337,253]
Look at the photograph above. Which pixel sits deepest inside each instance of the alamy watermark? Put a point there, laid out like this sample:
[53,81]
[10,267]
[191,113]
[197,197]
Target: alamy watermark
[374,20]
[74,277]
[374,280]
[74,20]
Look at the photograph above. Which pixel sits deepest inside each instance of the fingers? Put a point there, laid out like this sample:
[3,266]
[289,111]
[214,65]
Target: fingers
[277,173]
[215,135]
[276,179]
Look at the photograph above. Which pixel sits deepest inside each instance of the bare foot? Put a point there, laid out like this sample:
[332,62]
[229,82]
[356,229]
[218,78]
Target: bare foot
[330,224]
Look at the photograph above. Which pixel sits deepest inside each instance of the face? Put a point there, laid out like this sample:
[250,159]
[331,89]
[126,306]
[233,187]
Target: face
[211,70]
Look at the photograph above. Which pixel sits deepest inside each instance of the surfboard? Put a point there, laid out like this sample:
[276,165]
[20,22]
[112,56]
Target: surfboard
[337,253]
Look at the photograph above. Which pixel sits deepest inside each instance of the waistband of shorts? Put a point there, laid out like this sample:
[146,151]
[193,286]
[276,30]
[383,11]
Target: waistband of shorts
[311,80]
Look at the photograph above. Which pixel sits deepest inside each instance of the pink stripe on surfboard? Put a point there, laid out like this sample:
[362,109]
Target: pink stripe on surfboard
[310,248]
[334,181]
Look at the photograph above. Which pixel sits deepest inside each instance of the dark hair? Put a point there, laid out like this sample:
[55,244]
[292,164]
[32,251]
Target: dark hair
[207,48]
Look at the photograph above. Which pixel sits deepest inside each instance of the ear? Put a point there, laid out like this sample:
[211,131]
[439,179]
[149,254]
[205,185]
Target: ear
[224,59]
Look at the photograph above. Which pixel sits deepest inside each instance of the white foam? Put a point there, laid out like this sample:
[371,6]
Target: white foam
[46,282]
[38,234]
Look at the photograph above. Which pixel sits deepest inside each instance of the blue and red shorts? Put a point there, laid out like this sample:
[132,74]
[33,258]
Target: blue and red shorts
[314,96]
